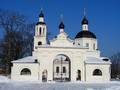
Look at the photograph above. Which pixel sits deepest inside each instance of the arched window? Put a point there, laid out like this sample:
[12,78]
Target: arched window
[57,69]
[97,72]
[93,46]
[43,31]
[64,69]
[39,43]
[25,71]
[40,31]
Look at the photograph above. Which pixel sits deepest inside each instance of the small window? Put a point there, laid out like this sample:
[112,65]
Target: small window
[25,71]
[39,43]
[57,69]
[64,69]
[97,72]
[87,44]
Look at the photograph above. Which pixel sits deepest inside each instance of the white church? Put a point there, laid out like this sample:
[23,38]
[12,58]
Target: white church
[63,59]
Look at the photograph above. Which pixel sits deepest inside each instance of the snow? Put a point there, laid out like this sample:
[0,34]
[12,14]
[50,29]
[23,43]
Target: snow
[57,86]
[93,60]
[25,60]
[4,79]
[7,84]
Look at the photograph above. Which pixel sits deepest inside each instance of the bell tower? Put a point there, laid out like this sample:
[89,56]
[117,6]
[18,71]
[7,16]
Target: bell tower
[40,37]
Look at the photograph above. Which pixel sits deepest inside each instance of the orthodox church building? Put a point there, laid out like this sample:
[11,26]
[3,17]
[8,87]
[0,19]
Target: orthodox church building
[63,59]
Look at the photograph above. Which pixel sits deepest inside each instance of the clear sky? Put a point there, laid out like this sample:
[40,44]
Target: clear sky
[103,16]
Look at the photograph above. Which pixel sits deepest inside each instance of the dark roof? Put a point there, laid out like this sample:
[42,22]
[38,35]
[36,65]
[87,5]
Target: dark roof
[41,14]
[85,34]
[61,25]
[84,21]
[42,23]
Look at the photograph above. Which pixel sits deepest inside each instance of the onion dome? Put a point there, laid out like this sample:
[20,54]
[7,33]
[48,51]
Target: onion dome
[41,20]
[85,34]
[61,25]
[41,14]
[84,21]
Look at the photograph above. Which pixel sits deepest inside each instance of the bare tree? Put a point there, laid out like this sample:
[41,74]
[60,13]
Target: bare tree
[115,67]
[17,37]
[27,35]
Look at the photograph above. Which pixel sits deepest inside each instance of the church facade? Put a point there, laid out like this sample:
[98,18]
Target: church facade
[63,59]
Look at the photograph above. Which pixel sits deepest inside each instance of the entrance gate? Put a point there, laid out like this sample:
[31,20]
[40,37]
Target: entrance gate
[61,68]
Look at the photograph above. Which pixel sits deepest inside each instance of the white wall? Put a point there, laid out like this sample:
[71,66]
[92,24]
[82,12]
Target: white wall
[17,67]
[105,68]
[62,40]
[83,41]
[47,55]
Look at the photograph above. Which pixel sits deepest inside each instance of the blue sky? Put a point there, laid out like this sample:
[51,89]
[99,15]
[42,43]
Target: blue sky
[103,16]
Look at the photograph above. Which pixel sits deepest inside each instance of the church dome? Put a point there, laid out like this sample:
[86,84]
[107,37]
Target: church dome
[85,34]
[84,21]
[61,25]
[41,14]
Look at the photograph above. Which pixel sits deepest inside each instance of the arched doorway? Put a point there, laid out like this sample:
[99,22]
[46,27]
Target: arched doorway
[44,76]
[78,75]
[61,68]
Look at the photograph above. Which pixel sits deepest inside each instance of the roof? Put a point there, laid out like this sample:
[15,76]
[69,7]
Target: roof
[85,34]
[61,25]
[41,23]
[94,60]
[84,21]
[29,59]
[41,14]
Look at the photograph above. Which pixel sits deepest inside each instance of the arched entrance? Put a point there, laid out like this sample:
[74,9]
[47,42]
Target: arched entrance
[61,68]
[44,76]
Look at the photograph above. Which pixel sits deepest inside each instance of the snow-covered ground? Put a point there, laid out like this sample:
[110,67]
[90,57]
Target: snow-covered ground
[6,84]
